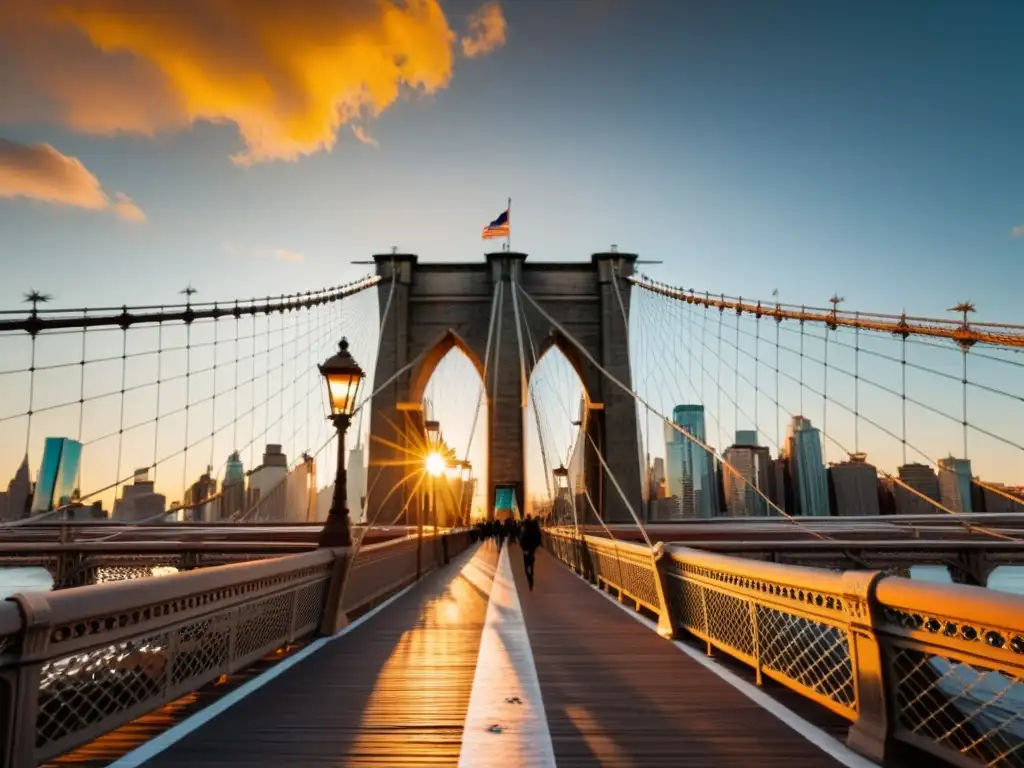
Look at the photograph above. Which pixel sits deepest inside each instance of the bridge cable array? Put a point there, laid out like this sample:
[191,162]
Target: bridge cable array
[199,374]
[683,320]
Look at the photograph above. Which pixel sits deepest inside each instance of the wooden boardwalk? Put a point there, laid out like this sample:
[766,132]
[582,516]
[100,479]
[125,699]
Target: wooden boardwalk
[396,690]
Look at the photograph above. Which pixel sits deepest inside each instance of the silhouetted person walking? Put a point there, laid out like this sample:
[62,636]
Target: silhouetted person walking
[529,540]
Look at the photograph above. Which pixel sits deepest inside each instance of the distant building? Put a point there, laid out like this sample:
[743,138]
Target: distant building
[198,509]
[921,478]
[293,498]
[659,491]
[14,504]
[998,497]
[807,469]
[268,475]
[232,490]
[139,501]
[886,496]
[356,483]
[58,472]
[744,489]
[853,487]
[689,467]
[955,484]
[780,489]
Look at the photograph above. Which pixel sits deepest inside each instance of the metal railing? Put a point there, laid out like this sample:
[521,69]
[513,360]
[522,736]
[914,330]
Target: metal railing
[78,663]
[936,667]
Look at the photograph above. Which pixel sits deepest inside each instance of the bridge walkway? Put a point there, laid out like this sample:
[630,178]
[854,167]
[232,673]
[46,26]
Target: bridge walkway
[565,676]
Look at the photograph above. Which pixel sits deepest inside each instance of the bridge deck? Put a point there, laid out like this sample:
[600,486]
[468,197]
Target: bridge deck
[397,690]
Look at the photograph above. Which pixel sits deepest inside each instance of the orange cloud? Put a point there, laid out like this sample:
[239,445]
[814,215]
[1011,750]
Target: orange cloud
[486,31]
[125,208]
[40,172]
[286,255]
[1017,231]
[287,74]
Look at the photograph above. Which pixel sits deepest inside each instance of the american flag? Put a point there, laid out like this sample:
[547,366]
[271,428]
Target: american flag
[498,228]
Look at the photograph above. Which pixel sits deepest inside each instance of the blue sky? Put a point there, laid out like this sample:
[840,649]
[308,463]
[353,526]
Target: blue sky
[869,149]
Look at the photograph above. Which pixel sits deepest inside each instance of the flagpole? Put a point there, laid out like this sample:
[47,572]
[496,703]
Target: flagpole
[508,221]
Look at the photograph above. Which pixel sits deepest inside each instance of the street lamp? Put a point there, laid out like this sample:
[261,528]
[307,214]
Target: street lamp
[433,430]
[561,484]
[343,377]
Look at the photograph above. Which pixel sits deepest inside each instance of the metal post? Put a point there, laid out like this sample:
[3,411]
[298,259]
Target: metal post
[337,531]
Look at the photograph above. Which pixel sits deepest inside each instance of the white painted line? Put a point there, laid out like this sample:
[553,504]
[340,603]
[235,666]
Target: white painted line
[173,735]
[506,691]
[819,738]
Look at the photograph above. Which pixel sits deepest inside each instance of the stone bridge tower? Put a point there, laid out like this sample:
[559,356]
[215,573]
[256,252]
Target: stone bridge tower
[437,306]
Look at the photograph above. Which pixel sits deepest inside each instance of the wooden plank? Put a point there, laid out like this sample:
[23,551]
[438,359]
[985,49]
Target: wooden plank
[394,692]
[616,694]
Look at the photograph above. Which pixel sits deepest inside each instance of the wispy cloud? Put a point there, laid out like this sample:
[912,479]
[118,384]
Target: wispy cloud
[487,29]
[240,250]
[1017,231]
[40,172]
[288,75]
[361,134]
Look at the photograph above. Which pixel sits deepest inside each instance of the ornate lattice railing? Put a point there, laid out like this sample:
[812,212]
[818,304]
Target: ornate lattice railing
[938,667]
[955,669]
[77,663]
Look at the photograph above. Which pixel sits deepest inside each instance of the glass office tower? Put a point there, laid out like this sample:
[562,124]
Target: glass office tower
[58,473]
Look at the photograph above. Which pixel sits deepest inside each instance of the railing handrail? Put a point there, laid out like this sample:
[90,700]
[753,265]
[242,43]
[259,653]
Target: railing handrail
[987,607]
[798,576]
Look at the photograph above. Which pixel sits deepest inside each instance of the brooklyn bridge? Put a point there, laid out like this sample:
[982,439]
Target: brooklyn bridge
[259,524]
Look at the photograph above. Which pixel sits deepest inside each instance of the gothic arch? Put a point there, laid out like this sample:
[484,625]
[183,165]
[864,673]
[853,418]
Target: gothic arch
[435,354]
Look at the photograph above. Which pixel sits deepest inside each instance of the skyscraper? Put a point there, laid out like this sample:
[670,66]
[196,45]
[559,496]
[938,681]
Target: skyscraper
[139,501]
[807,468]
[15,502]
[232,491]
[690,468]
[955,484]
[854,487]
[57,474]
[356,483]
[750,473]
[922,479]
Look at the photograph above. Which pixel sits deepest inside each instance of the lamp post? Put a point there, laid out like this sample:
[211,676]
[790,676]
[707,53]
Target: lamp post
[466,505]
[343,377]
[561,482]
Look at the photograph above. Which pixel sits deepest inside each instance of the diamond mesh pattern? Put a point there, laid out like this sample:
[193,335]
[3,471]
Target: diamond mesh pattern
[684,602]
[959,707]
[202,649]
[262,625]
[79,691]
[619,570]
[309,605]
[729,620]
[813,654]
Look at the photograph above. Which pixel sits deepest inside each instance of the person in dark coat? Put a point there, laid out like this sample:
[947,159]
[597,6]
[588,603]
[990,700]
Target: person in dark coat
[510,530]
[529,540]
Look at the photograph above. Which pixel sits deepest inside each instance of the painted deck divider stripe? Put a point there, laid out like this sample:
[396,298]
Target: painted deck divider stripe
[173,735]
[506,690]
[819,738]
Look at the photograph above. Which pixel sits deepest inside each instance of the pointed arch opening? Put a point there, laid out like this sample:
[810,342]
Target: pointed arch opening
[449,384]
[555,410]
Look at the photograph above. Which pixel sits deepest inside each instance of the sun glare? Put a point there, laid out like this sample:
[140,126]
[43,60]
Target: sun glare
[435,464]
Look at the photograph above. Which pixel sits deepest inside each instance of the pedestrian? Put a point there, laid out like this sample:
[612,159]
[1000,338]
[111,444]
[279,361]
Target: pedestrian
[529,540]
